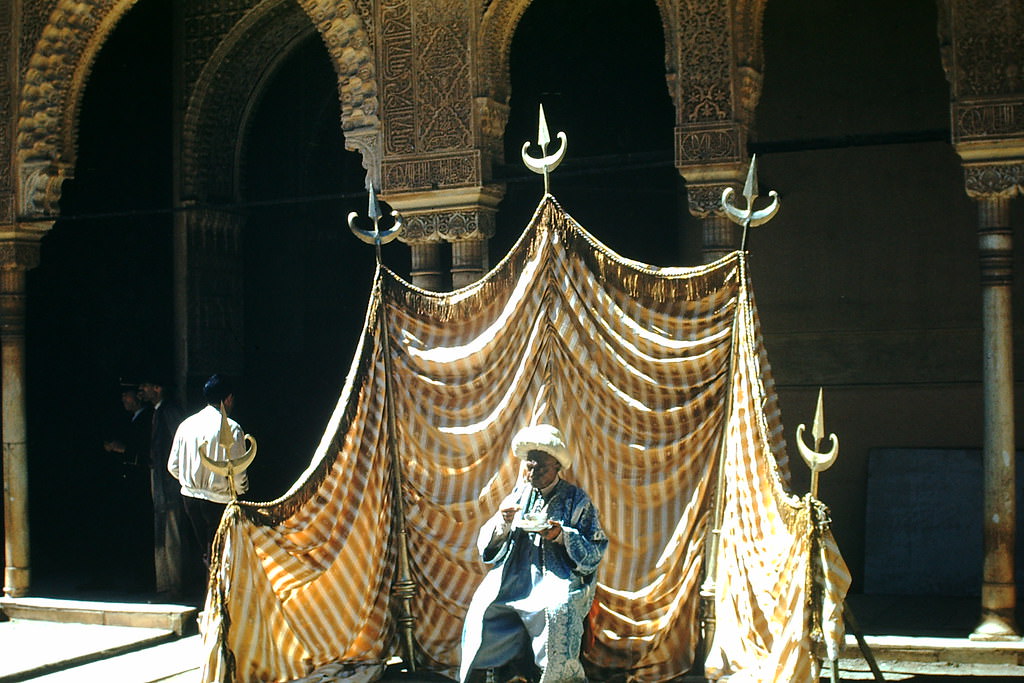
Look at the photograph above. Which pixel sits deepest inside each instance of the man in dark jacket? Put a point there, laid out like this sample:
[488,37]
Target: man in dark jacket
[168,513]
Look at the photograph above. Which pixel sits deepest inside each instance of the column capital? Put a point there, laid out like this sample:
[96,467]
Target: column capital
[19,251]
[705,184]
[41,182]
[447,215]
[981,56]
[994,179]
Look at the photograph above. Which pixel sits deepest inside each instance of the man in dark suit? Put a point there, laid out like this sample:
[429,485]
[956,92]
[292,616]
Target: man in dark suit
[131,443]
[168,513]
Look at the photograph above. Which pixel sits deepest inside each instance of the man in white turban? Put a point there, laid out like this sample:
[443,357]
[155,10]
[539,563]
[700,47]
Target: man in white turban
[543,546]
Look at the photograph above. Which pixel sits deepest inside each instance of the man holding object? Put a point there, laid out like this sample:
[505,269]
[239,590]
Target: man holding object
[543,546]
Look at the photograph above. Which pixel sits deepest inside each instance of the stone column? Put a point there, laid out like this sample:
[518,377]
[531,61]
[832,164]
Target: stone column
[426,265]
[16,257]
[441,133]
[715,81]
[982,54]
[998,590]
[469,261]
[462,216]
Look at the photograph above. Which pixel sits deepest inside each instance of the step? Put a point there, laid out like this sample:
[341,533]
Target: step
[33,648]
[179,619]
[911,655]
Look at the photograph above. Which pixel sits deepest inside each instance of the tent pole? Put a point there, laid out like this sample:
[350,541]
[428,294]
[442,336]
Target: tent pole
[869,656]
[747,217]
[708,588]
[404,588]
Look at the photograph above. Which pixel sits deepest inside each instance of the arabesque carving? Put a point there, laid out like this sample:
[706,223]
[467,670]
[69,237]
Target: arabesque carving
[41,185]
[347,35]
[983,58]
[988,50]
[442,76]
[697,145]
[492,117]
[432,172]
[205,23]
[992,118]
[705,200]
[397,91]
[6,179]
[51,90]
[452,226]
[705,73]
[367,142]
[986,181]
[19,254]
[218,105]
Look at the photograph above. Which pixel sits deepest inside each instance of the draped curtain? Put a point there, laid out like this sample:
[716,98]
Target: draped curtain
[658,378]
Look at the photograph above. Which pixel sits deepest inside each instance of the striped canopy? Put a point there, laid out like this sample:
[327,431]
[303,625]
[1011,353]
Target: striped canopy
[657,377]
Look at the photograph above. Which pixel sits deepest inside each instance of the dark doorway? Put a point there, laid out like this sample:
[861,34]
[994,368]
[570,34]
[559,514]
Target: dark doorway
[99,308]
[599,71]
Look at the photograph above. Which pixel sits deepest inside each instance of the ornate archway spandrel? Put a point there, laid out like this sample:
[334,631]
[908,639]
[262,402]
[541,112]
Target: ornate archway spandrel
[233,72]
[346,28]
[52,84]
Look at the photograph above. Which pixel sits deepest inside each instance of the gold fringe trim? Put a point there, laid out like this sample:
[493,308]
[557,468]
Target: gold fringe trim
[217,598]
[550,225]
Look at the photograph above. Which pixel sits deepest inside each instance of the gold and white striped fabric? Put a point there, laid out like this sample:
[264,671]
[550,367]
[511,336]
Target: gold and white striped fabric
[632,363]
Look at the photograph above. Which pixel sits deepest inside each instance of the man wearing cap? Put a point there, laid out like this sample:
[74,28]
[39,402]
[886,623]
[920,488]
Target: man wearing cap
[543,547]
[132,443]
[204,492]
[168,513]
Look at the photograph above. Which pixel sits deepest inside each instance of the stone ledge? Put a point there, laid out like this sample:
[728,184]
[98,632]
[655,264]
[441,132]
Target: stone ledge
[179,619]
[906,656]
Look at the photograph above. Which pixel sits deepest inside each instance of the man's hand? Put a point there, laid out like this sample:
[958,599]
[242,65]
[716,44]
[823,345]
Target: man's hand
[507,514]
[551,533]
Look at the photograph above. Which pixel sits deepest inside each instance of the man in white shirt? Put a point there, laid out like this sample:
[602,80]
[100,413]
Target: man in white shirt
[205,493]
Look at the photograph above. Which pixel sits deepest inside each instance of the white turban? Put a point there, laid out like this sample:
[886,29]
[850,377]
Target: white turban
[542,437]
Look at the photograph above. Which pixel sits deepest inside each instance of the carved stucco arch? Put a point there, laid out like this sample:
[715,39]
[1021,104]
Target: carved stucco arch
[51,96]
[231,79]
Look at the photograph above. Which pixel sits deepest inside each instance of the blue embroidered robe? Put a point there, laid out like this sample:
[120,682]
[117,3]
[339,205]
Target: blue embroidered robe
[537,592]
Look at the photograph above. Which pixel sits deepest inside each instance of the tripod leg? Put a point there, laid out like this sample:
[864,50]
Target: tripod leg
[868,655]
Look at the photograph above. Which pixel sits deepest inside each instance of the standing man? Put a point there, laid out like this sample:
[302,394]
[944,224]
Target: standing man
[205,493]
[543,546]
[134,505]
[133,440]
[168,514]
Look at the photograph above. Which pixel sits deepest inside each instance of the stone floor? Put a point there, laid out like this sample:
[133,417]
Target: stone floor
[915,639]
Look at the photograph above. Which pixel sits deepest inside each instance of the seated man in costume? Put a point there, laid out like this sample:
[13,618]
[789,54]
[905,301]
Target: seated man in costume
[543,546]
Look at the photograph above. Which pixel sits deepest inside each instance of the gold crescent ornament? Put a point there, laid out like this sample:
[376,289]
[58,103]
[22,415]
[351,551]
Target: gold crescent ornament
[227,467]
